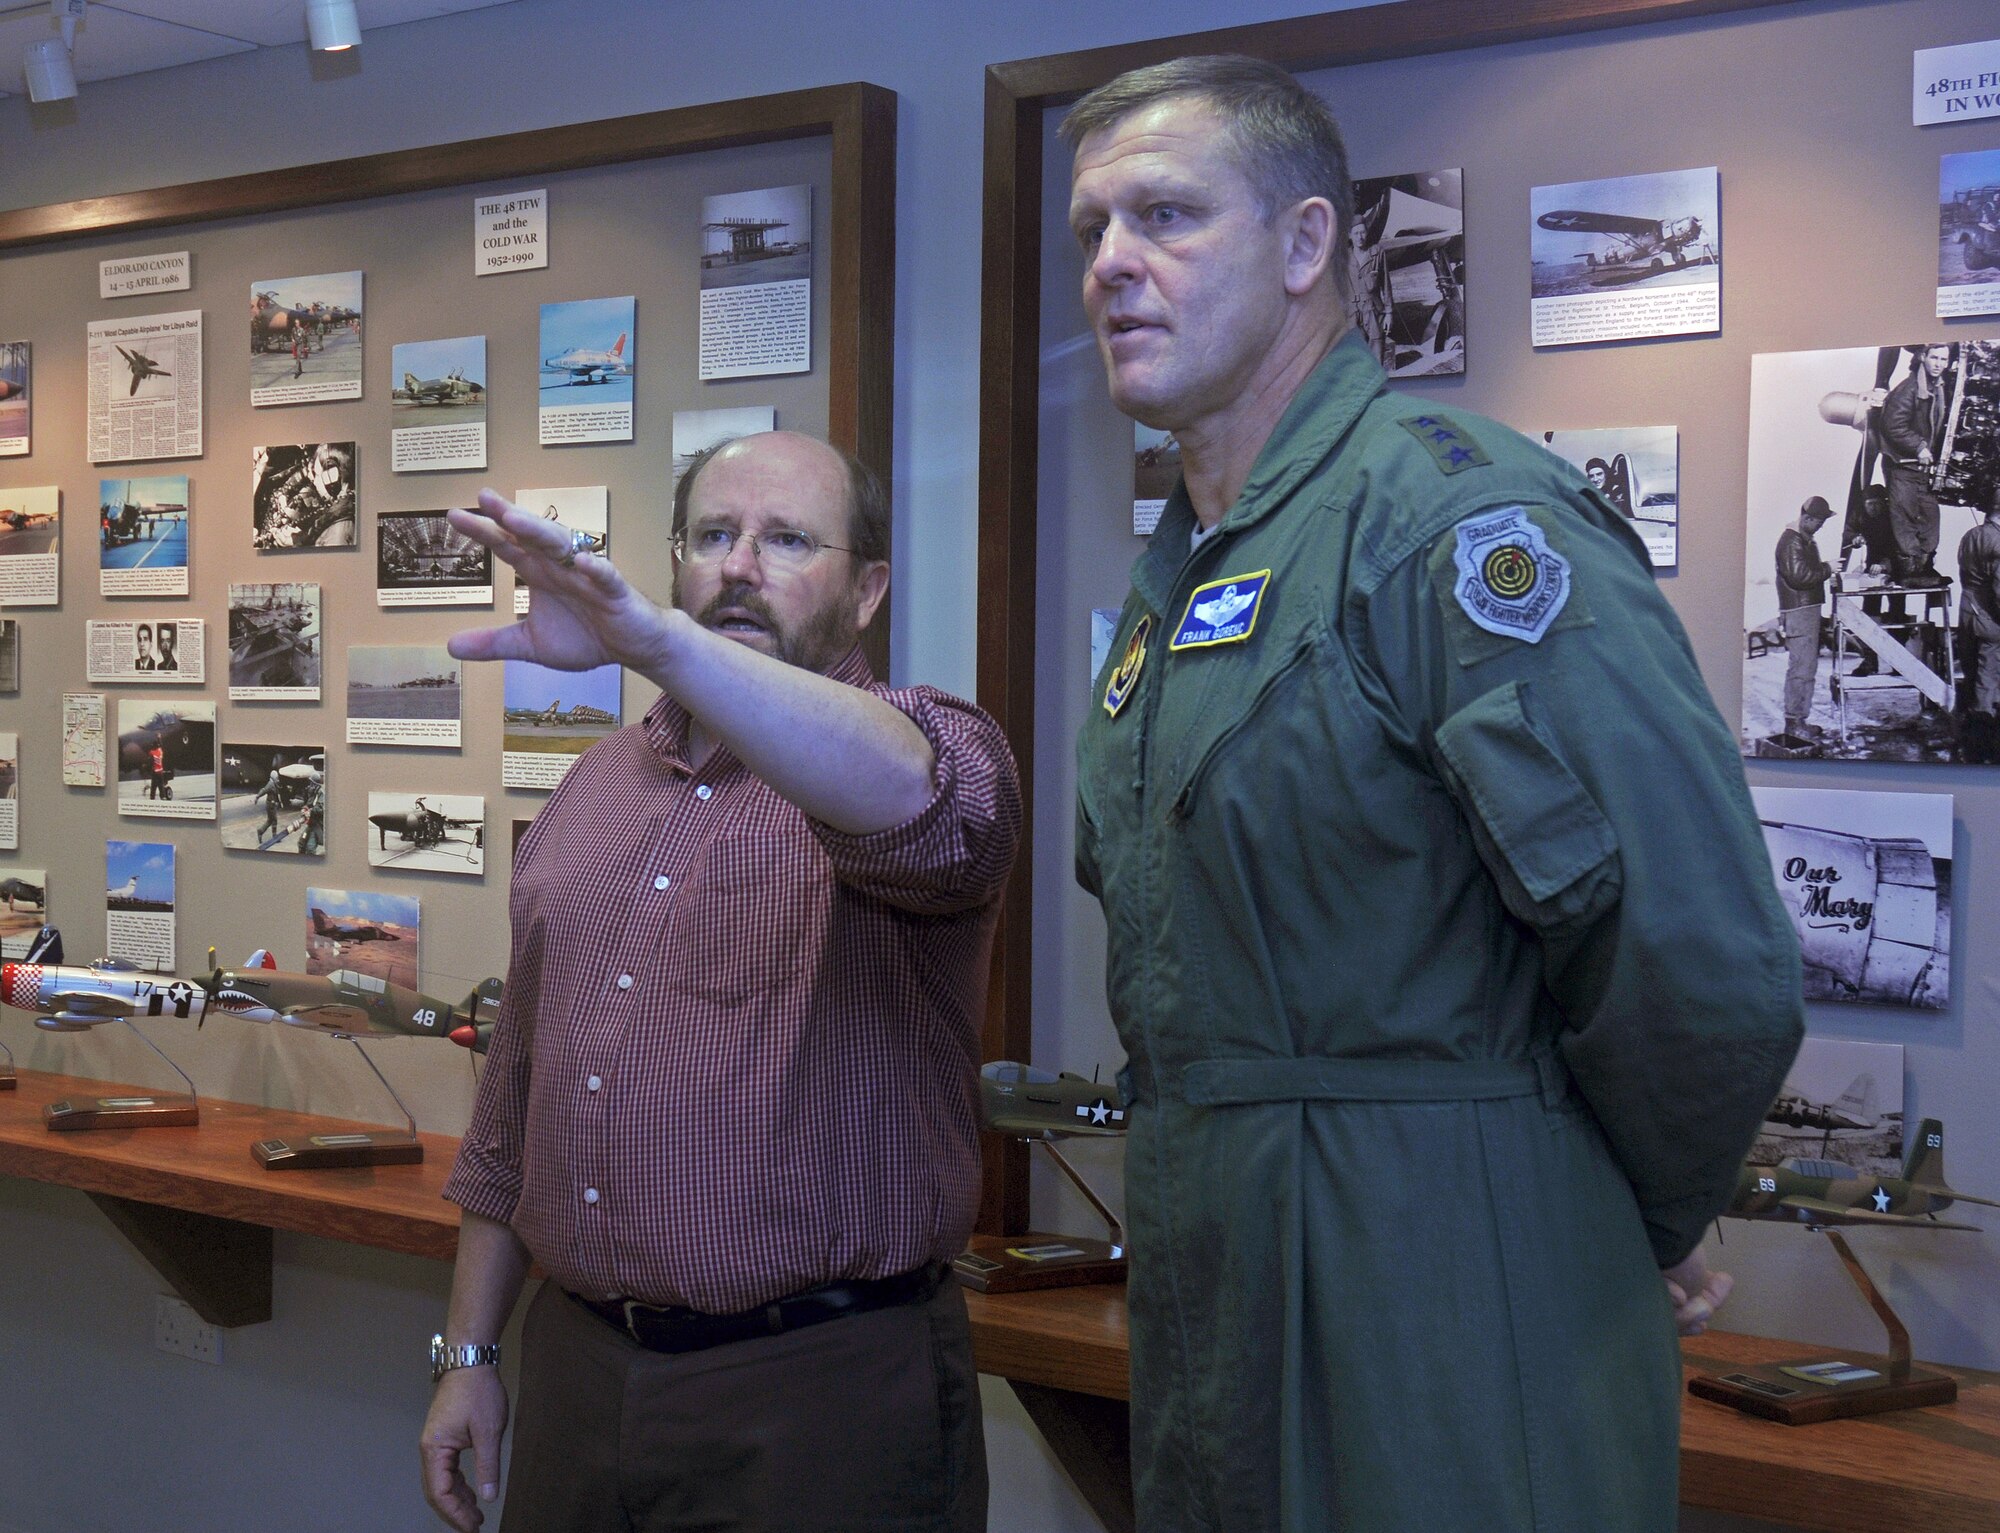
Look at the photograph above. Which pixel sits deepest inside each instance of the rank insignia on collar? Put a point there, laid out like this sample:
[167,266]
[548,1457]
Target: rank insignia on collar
[1118,690]
[1222,612]
[1510,582]
[1450,448]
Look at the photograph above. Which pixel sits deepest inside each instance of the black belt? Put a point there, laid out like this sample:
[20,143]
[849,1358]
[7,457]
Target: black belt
[674,1329]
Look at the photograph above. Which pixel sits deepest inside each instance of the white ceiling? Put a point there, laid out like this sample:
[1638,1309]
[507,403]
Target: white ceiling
[129,37]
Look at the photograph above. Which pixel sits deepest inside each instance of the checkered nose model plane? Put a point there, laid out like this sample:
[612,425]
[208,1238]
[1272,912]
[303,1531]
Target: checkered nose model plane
[70,998]
[1821,1193]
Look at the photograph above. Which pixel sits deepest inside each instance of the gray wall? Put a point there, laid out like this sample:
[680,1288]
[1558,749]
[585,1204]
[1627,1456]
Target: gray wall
[309,1423]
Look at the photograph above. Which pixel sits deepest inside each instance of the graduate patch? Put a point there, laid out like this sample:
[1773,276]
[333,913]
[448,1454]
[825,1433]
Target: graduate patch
[1118,690]
[1222,612]
[1510,582]
[1450,448]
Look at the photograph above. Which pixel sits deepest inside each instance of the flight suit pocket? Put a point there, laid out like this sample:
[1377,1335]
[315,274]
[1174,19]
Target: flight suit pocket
[1537,826]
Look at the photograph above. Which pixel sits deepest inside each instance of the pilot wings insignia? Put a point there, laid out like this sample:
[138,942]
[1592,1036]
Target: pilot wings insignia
[1222,612]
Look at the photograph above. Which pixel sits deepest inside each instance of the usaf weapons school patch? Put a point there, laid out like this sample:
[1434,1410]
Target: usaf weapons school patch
[1450,448]
[1510,582]
[1222,612]
[1118,690]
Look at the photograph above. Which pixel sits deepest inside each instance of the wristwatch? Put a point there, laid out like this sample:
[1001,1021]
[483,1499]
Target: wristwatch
[470,1355]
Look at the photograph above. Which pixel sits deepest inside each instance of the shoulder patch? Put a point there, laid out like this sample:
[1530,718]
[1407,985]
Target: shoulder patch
[1510,581]
[1450,447]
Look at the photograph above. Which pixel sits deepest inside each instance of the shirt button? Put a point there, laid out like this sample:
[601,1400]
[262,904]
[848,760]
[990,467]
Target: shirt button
[590,1194]
[662,881]
[624,982]
[593,1083]
[704,792]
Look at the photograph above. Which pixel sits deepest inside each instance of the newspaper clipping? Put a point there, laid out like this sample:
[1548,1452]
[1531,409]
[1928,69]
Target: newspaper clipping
[756,283]
[144,387]
[167,653]
[139,903]
[31,547]
[83,739]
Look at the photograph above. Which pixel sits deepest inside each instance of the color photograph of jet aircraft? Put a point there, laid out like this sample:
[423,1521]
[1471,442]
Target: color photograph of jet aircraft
[1023,1102]
[70,998]
[143,367]
[349,931]
[1823,1193]
[587,366]
[1635,248]
[19,521]
[450,389]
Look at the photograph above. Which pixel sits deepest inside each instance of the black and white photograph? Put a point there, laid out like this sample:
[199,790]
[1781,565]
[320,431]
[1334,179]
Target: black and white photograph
[1843,1103]
[756,283]
[581,508]
[1968,234]
[142,536]
[695,431]
[437,406]
[1637,469]
[274,798]
[1628,258]
[1406,270]
[31,547]
[166,759]
[143,387]
[552,717]
[427,832]
[148,651]
[24,907]
[274,642]
[17,376]
[421,560]
[1156,468]
[139,903]
[305,339]
[1861,641]
[402,694]
[10,655]
[304,495]
[10,790]
[1866,878]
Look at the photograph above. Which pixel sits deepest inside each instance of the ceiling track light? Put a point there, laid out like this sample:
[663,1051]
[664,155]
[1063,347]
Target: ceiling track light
[47,66]
[332,26]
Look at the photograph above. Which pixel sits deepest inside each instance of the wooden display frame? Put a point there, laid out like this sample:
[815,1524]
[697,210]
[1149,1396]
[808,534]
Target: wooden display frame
[1017,96]
[859,119]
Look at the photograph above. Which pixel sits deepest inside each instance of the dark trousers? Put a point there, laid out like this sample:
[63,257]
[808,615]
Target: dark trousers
[870,1422]
[1913,517]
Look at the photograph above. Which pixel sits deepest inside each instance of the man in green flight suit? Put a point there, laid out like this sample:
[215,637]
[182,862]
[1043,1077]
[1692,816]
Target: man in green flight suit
[1443,943]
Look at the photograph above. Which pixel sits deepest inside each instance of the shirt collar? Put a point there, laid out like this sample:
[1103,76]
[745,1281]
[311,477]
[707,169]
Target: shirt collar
[666,722]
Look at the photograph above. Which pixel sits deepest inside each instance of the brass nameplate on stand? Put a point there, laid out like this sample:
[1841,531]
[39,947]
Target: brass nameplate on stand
[8,1080]
[1018,1264]
[1814,1389]
[321,1152]
[73,1114]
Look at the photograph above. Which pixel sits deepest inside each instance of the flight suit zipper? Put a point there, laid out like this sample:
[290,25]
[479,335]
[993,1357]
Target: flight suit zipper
[1183,804]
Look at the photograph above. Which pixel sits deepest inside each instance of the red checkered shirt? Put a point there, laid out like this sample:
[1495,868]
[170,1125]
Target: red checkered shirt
[738,1049]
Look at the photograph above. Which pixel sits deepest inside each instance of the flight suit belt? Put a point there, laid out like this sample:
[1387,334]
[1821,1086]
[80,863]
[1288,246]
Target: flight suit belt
[1240,1082]
[670,1328]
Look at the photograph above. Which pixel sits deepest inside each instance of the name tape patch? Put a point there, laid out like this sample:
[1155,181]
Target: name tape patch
[1222,612]
[1118,690]
[1510,582]
[1451,449]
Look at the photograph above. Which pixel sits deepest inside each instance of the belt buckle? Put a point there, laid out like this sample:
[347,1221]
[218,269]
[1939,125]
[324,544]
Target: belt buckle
[631,1326]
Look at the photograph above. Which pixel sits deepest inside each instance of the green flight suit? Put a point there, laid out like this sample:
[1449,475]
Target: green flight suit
[1452,978]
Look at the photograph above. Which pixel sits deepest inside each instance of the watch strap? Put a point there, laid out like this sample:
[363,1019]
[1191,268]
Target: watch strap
[444,1357]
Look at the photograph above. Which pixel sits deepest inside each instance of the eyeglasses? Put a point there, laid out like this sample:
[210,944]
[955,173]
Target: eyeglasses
[789,549]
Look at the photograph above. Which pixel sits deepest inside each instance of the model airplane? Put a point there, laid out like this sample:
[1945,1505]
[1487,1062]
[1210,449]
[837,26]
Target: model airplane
[1025,1103]
[70,998]
[19,890]
[349,931]
[143,367]
[587,366]
[423,826]
[437,391]
[1640,247]
[1821,1193]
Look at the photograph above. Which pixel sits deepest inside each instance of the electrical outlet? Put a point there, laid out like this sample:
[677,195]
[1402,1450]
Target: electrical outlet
[178,1329]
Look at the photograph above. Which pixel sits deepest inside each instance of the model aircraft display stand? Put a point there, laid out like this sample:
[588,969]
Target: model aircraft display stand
[203,1212]
[352,1147]
[145,1109]
[1859,632]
